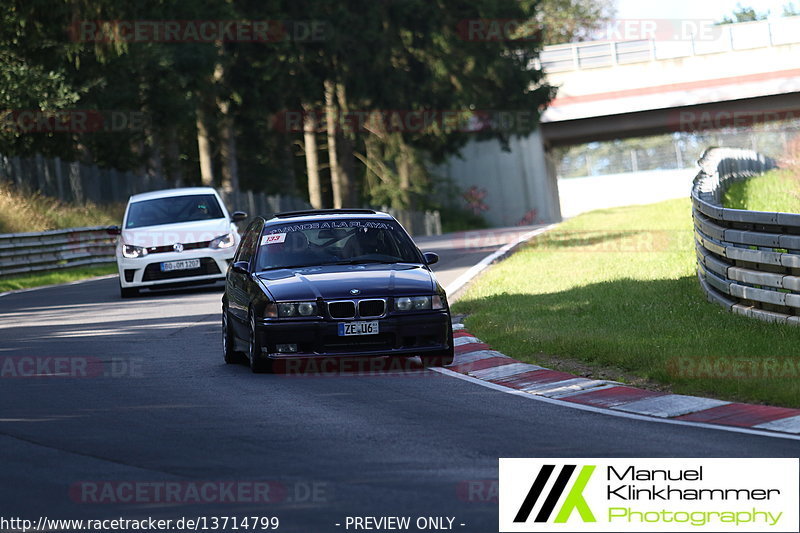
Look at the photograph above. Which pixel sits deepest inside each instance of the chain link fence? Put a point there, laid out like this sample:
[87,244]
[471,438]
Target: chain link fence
[666,152]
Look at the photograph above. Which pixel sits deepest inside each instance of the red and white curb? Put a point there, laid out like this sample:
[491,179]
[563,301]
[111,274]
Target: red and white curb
[478,361]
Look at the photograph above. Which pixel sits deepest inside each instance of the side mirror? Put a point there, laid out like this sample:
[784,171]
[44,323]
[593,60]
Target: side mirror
[241,267]
[238,216]
[114,230]
[431,258]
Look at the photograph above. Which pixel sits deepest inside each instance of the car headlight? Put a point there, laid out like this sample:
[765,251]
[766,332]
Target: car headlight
[418,303]
[223,241]
[132,252]
[291,309]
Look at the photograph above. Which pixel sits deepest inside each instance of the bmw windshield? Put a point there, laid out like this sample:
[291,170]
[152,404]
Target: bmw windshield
[334,242]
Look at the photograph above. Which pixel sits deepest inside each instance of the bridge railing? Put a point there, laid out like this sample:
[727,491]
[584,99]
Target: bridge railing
[747,261]
[700,38]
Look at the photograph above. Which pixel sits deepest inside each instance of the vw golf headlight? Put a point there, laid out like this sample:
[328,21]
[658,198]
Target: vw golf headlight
[132,252]
[291,309]
[418,303]
[221,242]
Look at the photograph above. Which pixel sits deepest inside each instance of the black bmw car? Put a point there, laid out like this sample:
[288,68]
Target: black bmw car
[333,283]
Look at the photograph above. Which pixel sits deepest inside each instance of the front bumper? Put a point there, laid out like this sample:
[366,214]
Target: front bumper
[146,271]
[412,334]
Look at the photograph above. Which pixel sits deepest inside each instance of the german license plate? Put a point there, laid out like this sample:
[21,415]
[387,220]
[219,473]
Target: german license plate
[358,328]
[187,264]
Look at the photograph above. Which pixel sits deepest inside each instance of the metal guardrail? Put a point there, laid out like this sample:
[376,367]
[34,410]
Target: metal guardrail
[747,261]
[26,253]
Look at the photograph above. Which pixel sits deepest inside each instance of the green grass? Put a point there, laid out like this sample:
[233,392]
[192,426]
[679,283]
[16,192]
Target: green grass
[613,294]
[52,278]
[777,190]
[21,213]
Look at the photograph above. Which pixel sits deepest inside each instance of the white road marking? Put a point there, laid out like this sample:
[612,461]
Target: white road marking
[670,405]
[790,425]
[471,357]
[504,371]
[461,341]
[602,385]
[569,385]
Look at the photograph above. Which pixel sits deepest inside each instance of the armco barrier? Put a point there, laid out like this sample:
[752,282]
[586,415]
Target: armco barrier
[747,261]
[23,253]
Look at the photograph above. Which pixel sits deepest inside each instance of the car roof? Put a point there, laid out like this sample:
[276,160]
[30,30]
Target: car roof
[327,214]
[168,193]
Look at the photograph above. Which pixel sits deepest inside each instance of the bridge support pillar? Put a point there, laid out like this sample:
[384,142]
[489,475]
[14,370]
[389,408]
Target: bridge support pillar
[508,188]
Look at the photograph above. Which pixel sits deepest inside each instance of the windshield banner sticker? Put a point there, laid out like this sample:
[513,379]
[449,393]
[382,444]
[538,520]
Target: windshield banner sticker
[332,225]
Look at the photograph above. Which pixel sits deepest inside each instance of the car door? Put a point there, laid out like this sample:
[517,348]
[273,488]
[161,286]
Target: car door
[237,283]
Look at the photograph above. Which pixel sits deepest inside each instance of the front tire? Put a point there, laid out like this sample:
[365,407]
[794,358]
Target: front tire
[128,292]
[257,364]
[232,357]
[442,358]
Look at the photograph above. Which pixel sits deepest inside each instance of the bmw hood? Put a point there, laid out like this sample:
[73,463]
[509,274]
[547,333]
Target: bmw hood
[184,233]
[337,282]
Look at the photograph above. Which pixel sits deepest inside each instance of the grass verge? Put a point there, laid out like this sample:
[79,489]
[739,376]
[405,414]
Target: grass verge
[21,213]
[613,294]
[777,190]
[52,278]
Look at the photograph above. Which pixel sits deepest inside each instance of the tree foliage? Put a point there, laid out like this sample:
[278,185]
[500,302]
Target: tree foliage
[224,99]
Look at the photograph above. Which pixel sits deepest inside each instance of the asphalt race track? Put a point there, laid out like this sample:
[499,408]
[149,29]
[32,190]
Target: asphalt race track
[152,401]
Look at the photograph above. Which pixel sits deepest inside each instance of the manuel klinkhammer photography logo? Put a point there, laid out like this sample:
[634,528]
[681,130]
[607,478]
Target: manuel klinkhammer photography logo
[656,494]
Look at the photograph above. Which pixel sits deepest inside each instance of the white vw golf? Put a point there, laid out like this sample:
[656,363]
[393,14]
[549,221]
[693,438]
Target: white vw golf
[173,238]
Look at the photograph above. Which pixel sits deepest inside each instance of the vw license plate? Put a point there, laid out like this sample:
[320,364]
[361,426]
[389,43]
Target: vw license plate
[187,264]
[358,328]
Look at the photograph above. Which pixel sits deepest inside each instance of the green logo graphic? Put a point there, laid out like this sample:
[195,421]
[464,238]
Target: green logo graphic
[573,501]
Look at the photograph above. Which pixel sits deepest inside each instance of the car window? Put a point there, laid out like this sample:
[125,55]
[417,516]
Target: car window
[173,210]
[247,248]
[331,242]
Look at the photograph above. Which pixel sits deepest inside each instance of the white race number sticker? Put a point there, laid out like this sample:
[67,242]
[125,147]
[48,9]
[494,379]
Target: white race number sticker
[274,238]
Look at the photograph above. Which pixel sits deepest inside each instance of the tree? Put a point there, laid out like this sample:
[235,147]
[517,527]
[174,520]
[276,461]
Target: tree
[211,106]
[744,14]
[564,21]
[791,10]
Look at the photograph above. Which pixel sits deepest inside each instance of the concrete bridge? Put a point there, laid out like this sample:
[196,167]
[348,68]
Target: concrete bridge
[733,76]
